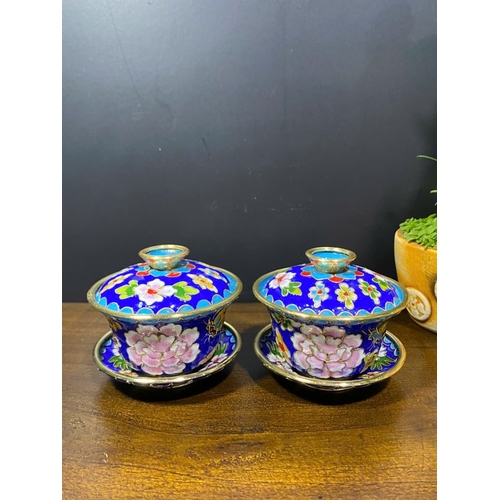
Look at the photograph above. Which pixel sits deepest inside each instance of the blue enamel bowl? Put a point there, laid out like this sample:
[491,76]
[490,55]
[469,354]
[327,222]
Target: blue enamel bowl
[167,313]
[329,316]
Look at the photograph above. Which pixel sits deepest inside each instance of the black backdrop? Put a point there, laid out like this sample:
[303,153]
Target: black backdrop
[248,131]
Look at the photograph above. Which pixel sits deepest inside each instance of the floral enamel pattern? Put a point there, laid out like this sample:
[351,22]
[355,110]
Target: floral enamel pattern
[374,364]
[355,291]
[117,360]
[284,282]
[350,274]
[156,290]
[220,354]
[203,282]
[276,357]
[216,324]
[145,270]
[112,358]
[141,289]
[382,283]
[327,352]
[377,361]
[211,272]
[162,351]
[346,294]
[116,281]
[318,293]
[284,322]
[370,290]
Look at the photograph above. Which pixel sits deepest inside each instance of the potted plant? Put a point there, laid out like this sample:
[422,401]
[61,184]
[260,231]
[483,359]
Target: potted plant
[415,255]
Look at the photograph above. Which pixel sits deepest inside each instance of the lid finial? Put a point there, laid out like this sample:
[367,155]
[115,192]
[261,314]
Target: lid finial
[164,257]
[330,259]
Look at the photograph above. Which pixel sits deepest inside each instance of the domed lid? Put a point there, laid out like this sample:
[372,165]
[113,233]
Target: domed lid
[166,284]
[330,286]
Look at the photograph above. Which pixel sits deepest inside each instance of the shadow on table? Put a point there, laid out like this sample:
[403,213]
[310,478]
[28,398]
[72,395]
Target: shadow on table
[205,388]
[329,397]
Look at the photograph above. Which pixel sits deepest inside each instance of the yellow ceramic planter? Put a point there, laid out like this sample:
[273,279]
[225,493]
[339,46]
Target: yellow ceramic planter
[416,268]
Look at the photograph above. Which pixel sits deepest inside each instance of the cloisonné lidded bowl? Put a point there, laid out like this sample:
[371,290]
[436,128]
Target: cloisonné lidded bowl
[166,313]
[329,316]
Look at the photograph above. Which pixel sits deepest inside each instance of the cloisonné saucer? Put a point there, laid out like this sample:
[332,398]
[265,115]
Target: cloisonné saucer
[108,360]
[390,359]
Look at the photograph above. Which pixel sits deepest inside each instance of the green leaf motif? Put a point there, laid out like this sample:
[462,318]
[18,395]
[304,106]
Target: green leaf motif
[369,358]
[273,349]
[183,291]
[128,290]
[121,363]
[220,348]
[383,284]
[377,363]
[292,288]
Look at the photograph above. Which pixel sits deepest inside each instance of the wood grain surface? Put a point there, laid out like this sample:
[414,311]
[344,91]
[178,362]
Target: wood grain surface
[246,433]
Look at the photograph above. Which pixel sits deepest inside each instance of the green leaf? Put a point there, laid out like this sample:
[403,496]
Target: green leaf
[369,359]
[428,157]
[379,363]
[422,231]
[128,290]
[120,362]
[383,284]
[220,348]
[183,291]
[273,347]
[292,288]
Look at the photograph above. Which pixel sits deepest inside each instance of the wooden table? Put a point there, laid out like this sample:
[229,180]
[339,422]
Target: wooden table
[246,433]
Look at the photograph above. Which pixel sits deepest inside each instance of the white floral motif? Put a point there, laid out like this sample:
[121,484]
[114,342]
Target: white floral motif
[211,272]
[281,280]
[318,293]
[154,291]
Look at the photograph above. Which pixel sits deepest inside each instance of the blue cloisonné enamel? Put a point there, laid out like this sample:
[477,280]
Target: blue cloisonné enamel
[166,314]
[119,356]
[384,361]
[329,316]
[356,291]
[139,289]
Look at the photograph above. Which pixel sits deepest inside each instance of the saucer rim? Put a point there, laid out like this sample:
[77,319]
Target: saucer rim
[330,384]
[166,381]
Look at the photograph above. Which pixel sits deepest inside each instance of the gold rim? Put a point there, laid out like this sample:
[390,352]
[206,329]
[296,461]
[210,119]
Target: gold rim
[328,383]
[340,320]
[155,260]
[177,380]
[174,316]
[349,254]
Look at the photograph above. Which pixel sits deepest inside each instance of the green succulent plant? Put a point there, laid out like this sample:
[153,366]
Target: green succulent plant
[424,230]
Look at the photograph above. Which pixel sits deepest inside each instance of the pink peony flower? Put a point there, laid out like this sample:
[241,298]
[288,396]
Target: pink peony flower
[163,351]
[327,353]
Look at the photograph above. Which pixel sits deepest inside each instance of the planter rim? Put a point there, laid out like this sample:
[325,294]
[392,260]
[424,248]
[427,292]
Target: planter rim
[399,235]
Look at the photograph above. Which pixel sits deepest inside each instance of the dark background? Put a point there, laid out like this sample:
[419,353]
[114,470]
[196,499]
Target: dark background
[248,131]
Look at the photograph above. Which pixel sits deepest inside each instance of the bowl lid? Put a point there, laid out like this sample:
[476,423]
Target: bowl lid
[165,284]
[330,286]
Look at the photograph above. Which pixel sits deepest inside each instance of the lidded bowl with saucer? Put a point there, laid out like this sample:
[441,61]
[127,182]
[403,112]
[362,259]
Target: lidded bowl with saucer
[329,317]
[167,314]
